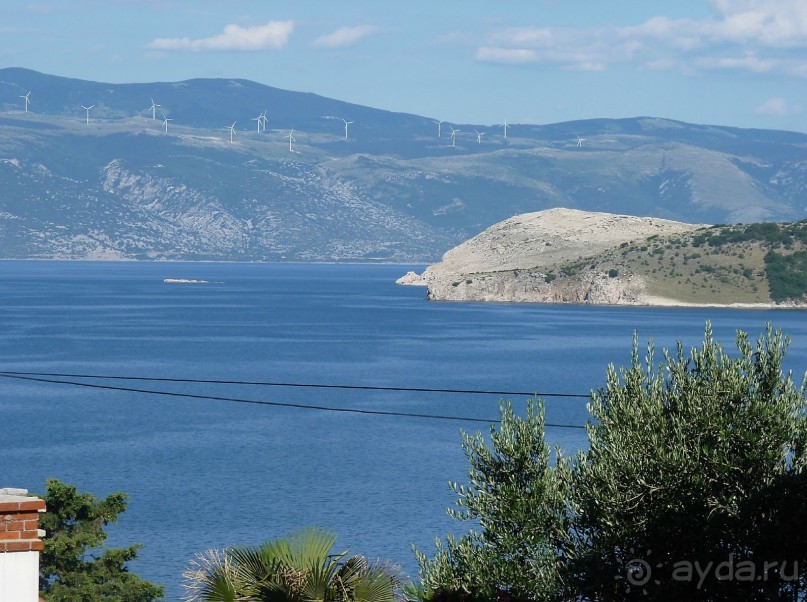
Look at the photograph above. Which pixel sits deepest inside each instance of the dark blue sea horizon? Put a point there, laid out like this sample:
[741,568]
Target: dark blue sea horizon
[209,474]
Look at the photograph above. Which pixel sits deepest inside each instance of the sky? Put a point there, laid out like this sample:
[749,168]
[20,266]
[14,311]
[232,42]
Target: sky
[740,63]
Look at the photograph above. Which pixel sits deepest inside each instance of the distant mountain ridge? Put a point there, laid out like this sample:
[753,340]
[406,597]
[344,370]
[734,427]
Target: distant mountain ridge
[121,187]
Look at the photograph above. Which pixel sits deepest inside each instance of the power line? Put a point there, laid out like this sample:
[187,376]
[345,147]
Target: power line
[267,403]
[299,385]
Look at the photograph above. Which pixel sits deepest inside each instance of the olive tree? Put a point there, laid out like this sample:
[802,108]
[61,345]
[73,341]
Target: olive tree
[693,486]
[518,499]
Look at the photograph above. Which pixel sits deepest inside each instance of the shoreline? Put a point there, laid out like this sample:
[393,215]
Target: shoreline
[658,302]
[654,301]
[203,261]
[417,280]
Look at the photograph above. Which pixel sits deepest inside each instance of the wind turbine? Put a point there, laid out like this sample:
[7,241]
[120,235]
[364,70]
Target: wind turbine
[580,141]
[153,108]
[263,120]
[439,127]
[88,112]
[347,123]
[27,98]
[505,127]
[479,136]
[232,131]
[454,137]
[165,122]
[259,119]
[291,139]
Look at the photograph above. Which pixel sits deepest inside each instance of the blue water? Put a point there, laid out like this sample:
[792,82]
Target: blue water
[204,474]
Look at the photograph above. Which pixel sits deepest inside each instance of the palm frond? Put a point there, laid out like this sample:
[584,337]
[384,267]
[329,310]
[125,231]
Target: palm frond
[296,568]
[252,569]
[366,582]
[210,576]
[349,573]
[320,584]
[302,548]
[375,585]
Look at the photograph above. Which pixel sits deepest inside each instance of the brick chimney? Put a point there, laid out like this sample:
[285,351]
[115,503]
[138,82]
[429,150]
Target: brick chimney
[20,544]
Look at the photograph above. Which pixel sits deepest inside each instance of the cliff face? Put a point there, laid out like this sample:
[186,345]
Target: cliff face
[530,287]
[541,258]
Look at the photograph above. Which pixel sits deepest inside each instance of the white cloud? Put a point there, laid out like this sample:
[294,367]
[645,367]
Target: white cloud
[758,36]
[541,37]
[765,23]
[777,23]
[749,62]
[590,65]
[661,64]
[346,36]
[582,50]
[680,34]
[778,107]
[492,54]
[272,36]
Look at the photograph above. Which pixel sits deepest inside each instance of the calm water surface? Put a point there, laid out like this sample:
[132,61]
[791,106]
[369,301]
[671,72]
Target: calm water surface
[204,474]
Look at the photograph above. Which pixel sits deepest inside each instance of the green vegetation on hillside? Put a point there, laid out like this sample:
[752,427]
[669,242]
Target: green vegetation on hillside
[787,275]
[753,263]
[766,232]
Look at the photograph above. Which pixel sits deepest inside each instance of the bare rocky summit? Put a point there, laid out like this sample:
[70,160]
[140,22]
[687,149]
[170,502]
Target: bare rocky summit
[517,260]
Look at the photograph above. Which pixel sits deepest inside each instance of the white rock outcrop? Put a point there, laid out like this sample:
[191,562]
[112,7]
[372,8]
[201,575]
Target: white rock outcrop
[510,261]
[411,279]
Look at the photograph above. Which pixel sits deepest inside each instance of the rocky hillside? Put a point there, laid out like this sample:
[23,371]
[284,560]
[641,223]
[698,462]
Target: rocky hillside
[570,256]
[119,184]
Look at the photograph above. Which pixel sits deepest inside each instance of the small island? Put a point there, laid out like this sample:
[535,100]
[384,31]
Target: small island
[184,281]
[571,256]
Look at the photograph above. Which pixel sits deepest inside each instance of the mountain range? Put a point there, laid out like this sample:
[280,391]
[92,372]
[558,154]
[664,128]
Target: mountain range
[115,183]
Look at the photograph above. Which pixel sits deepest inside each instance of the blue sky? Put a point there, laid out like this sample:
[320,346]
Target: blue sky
[729,62]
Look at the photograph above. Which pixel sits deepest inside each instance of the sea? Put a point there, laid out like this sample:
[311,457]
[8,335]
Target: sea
[206,473]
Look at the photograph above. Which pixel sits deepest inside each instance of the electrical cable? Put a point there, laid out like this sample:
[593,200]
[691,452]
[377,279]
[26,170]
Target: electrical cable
[268,403]
[300,385]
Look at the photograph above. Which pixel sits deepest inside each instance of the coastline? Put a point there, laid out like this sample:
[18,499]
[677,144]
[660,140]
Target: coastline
[654,301]
[568,256]
[642,299]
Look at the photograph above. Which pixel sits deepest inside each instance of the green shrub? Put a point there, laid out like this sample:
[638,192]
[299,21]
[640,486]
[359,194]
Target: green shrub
[787,276]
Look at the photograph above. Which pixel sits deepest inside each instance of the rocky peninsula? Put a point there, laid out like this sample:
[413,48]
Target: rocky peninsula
[571,256]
